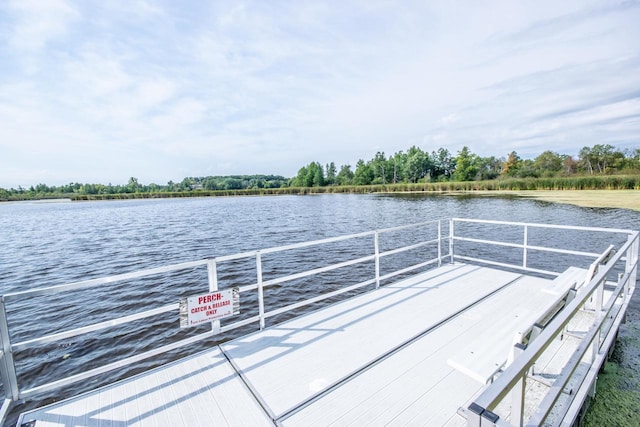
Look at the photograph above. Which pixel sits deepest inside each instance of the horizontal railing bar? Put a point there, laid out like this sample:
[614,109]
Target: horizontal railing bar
[102,280]
[407,248]
[405,227]
[301,245]
[505,382]
[538,225]
[408,269]
[563,251]
[112,366]
[319,298]
[490,242]
[567,371]
[317,270]
[251,254]
[529,247]
[240,323]
[94,327]
[316,242]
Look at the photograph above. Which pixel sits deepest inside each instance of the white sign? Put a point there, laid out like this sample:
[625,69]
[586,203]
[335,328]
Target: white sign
[206,308]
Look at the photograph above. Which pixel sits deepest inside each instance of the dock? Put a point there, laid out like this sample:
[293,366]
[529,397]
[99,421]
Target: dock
[458,344]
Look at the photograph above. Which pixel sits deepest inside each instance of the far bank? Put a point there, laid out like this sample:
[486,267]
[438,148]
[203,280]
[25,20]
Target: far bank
[621,199]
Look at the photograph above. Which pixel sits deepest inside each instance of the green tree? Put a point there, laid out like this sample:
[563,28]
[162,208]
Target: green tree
[488,168]
[418,164]
[311,175]
[443,164]
[363,174]
[466,165]
[398,164]
[345,176]
[331,173]
[301,179]
[133,186]
[317,174]
[603,155]
[231,183]
[380,168]
[548,162]
[527,169]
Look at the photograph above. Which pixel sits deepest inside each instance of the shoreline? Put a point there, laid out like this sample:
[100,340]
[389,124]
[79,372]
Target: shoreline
[605,198]
[612,199]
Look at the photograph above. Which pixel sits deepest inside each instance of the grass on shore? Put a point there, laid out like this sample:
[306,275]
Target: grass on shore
[615,191]
[622,199]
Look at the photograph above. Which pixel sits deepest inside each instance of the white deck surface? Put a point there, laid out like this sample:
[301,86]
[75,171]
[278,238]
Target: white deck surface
[291,367]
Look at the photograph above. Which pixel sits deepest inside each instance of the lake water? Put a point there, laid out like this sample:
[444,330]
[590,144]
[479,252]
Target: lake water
[46,244]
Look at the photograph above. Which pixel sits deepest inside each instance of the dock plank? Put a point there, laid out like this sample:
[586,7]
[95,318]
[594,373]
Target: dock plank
[196,390]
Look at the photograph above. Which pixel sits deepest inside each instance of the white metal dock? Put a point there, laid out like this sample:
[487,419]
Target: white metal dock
[462,343]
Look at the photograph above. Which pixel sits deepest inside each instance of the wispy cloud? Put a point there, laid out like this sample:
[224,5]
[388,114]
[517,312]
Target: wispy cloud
[100,91]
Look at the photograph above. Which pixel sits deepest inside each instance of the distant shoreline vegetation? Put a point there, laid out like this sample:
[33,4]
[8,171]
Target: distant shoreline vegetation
[598,167]
[614,182]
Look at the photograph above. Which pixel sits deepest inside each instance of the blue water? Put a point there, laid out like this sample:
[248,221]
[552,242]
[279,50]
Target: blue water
[46,244]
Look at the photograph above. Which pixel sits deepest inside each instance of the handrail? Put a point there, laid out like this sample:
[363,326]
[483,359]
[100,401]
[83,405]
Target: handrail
[539,225]
[373,255]
[483,405]
[525,245]
[7,366]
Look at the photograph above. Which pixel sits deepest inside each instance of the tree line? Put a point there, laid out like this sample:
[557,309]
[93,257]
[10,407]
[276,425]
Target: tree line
[230,182]
[416,165]
[410,167]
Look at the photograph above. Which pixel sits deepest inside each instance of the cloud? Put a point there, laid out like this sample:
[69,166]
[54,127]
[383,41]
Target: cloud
[163,90]
[36,23]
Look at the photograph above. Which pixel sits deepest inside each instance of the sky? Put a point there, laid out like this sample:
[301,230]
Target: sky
[101,91]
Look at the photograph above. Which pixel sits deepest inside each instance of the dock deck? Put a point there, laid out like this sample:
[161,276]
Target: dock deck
[458,327]
[402,354]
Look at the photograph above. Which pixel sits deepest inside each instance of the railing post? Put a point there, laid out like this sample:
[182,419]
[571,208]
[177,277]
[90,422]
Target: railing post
[599,299]
[439,243]
[632,264]
[212,272]
[517,402]
[260,289]
[7,365]
[376,244]
[526,243]
[451,239]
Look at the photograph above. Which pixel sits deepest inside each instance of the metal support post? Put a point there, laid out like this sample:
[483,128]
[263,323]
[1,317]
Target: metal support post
[524,249]
[517,402]
[439,243]
[260,290]
[212,270]
[451,239]
[376,244]
[631,265]
[7,365]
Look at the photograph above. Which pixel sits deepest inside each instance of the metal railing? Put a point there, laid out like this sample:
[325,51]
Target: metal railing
[445,231]
[594,344]
[525,246]
[10,379]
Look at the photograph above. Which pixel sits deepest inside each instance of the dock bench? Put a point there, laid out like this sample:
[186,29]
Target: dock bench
[517,312]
